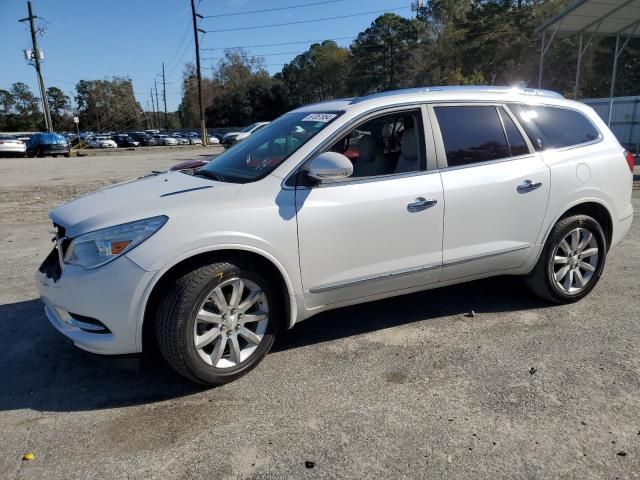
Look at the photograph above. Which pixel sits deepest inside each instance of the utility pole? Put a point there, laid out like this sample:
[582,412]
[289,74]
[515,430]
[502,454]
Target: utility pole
[195,34]
[157,104]
[154,117]
[164,95]
[36,58]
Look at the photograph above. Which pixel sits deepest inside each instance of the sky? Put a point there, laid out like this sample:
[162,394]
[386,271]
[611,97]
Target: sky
[90,39]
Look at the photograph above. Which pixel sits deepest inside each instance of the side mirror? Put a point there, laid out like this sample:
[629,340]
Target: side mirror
[330,166]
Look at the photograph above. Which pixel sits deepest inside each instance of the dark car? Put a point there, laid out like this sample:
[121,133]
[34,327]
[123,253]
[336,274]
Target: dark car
[144,139]
[42,144]
[125,140]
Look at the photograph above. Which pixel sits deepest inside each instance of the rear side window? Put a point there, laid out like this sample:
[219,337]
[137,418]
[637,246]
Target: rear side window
[553,127]
[471,134]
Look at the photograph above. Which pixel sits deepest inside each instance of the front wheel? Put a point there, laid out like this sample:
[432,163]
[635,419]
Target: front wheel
[217,322]
[571,262]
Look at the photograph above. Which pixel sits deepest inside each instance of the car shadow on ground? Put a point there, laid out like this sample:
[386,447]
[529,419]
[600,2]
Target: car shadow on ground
[42,371]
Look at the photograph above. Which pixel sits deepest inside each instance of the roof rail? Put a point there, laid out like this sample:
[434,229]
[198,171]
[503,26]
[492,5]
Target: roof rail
[460,88]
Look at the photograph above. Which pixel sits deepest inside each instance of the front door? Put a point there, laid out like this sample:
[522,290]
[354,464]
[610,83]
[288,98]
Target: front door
[379,230]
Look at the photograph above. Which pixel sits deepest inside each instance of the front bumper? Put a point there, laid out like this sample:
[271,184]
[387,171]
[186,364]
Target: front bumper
[112,294]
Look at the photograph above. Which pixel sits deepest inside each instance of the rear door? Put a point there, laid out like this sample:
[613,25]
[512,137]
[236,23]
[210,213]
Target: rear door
[496,189]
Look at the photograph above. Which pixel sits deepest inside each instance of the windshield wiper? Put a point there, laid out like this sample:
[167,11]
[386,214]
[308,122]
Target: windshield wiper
[209,174]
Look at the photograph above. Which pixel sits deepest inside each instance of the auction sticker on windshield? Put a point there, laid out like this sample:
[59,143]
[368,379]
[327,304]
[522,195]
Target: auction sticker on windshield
[319,117]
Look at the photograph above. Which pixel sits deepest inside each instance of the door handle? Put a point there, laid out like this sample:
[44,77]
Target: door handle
[420,204]
[528,186]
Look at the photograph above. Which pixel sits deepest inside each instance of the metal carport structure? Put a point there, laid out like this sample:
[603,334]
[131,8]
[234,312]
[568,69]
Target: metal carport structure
[588,18]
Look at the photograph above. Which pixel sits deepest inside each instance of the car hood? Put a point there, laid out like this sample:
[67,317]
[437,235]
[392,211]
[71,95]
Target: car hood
[162,194]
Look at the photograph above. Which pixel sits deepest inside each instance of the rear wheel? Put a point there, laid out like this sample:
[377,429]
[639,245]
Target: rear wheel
[217,322]
[571,262]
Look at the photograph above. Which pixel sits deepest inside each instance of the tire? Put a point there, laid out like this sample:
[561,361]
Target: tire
[178,328]
[547,280]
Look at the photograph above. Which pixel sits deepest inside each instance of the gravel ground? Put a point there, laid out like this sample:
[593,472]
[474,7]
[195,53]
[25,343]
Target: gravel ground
[409,387]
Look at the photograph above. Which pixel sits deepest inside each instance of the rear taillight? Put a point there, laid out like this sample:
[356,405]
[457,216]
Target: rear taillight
[629,157]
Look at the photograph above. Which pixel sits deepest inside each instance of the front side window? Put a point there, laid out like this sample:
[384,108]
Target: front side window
[554,127]
[385,145]
[471,134]
[265,149]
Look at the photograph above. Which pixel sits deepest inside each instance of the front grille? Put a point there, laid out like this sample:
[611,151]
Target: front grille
[51,266]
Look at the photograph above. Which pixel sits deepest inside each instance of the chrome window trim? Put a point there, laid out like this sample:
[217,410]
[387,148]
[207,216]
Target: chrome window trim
[487,162]
[373,278]
[352,123]
[377,178]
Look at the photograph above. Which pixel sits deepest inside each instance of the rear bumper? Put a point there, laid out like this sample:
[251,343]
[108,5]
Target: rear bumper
[620,230]
[51,150]
[12,149]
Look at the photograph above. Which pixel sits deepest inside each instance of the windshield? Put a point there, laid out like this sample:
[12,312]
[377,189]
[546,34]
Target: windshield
[248,129]
[258,155]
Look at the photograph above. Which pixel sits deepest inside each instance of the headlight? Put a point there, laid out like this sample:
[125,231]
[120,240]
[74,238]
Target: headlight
[99,247]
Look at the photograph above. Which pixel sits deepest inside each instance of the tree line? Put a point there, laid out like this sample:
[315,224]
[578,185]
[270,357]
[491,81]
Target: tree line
[101,105]
[447,42]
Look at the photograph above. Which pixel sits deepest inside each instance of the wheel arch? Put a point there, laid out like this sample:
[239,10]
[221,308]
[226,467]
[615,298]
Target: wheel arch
[595,208]
[267,264]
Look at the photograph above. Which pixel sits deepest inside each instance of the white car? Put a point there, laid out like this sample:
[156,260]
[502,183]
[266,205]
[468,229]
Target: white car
[165,140]
[436,186]
[232,138]
[102,142]
[10,145]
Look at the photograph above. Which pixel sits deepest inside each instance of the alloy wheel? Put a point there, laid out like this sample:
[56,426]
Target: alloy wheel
[231,323]
[575,260]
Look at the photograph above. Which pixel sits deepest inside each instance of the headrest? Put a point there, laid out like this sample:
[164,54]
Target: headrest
[409,144]
[367,148]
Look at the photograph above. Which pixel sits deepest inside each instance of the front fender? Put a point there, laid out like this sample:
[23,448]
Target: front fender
[160,272]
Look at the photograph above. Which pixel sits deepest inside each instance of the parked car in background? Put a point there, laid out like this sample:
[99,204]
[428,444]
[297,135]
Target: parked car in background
[44,144]
[190,166]
[166,140]
[182,140]
[143,138]
[232,138]
[194,139]
[102,141]
[124,140]
[213,140]
[12,146]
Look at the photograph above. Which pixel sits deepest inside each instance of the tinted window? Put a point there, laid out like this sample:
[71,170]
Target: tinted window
[517,145]
[552,127]
[471,134]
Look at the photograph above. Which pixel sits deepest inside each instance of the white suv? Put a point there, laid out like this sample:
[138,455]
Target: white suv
[335,204]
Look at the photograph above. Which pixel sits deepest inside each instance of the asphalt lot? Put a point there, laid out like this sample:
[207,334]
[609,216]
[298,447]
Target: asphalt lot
[410,387]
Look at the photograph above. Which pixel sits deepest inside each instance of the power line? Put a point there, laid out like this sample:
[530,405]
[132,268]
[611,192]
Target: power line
[270,25]
[301,5]
[280,44]
[258,55]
